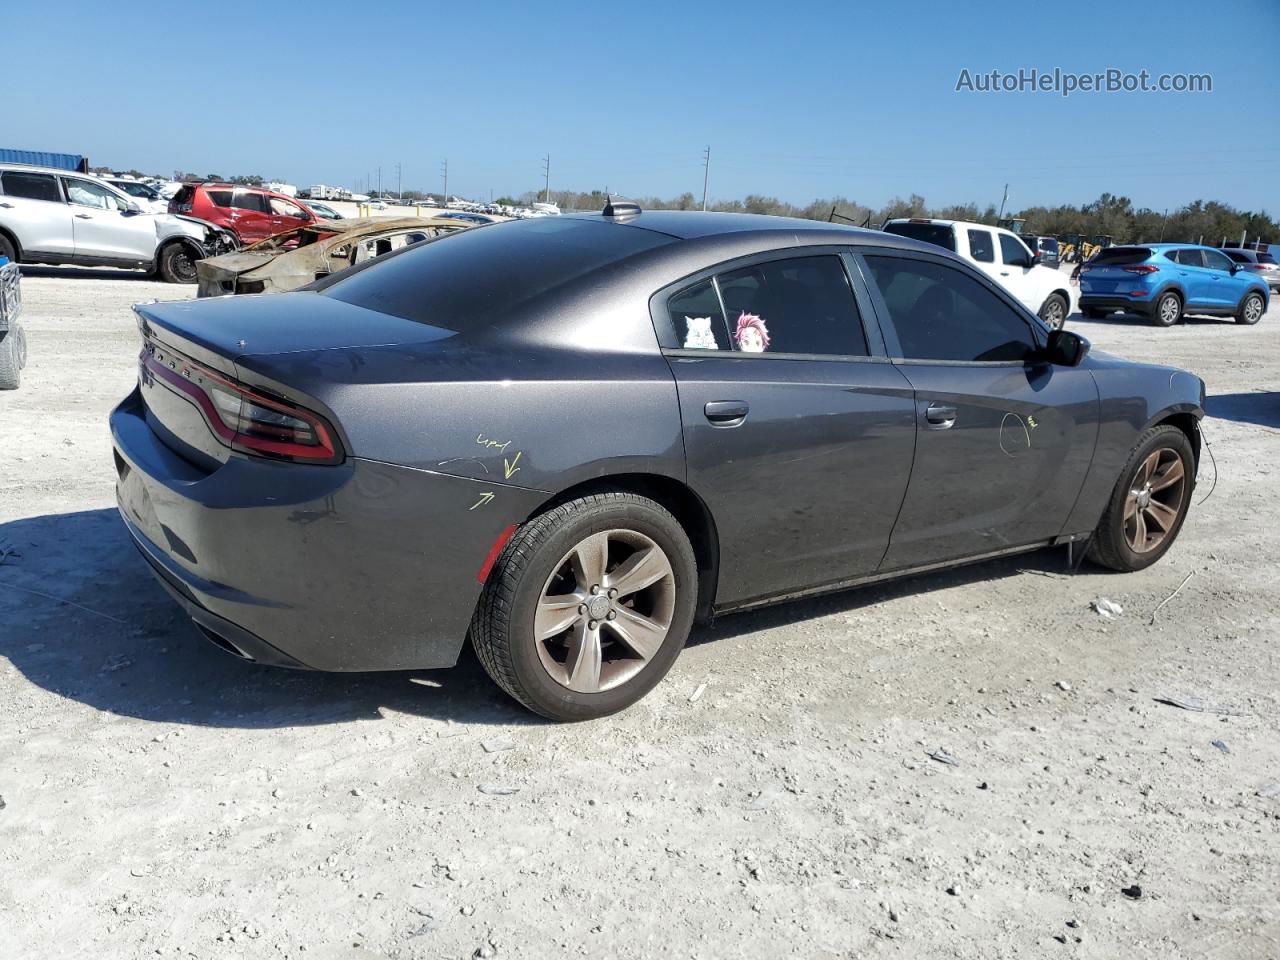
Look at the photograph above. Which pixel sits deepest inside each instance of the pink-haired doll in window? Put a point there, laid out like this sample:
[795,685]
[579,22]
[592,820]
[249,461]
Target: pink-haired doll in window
[752,335]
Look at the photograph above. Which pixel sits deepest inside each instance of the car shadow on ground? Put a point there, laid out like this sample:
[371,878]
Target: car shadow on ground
[82,617]
[1261,407]
[85,273]
[1138,320]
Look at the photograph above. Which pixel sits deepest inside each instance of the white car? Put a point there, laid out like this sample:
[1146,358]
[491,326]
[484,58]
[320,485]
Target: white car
[48,215]
[1002,256]
[146,196]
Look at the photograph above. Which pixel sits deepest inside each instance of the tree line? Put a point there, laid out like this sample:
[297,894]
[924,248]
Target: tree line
[1206,221]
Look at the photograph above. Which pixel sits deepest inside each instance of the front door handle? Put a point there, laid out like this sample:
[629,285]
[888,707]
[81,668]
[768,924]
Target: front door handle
[7,206]
[940,415]
[83,216]
[726,413]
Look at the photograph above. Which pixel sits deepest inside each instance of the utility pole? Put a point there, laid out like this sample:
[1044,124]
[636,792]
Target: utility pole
[706,174]
[444,167]
[1164,220]
[546,173]
[399,191]
[1003,200]
[379,183]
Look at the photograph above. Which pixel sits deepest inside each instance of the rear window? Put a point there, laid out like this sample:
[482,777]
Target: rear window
[1238,256]
[32,186]
[1265,258]
[220,198]
[1049,244]
[464,281]
[1118,256]
[938,234]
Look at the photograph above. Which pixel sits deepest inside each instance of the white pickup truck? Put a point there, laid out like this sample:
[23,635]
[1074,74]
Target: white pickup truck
[1002,256]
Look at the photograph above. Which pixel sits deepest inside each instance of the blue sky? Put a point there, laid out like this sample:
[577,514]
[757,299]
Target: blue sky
[798,100]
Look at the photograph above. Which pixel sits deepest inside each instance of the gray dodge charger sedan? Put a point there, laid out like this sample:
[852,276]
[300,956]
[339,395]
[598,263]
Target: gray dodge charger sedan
[569,438]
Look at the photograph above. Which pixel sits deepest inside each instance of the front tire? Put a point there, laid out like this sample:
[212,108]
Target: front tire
[1054,311]
[1251,308]
[1149,503]
[177,264]
[587,606]
[1168,310]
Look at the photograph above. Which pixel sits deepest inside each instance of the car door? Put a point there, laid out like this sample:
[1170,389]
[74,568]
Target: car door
[1223,288]
[1003,440]
[33,209]
[982,251]
[1195,278]
[106,224]
[798,432]
[251,215]
[1014,274]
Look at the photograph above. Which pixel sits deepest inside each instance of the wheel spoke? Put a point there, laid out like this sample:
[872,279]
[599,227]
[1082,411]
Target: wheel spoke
[643,635]
[642,569]
[1163,516]
[1130,506]
[555,615]
[1171,475]
[1139,532]
[1148,465]
[589,560]
[583,663]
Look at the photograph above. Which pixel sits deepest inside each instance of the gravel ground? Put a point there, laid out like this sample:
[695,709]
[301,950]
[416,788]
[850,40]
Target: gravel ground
[163,798]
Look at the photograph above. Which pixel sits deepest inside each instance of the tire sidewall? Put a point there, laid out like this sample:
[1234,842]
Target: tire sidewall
[654,523]
[1244,306]
[1173,439]
[1156,314]
[167,270]
[1044,310]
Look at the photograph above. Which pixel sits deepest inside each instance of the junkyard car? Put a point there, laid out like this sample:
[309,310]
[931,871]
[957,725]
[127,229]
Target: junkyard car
[569,437]
[297,257]
[48,215]
[146,196]
[251,213]
[13,337]
[322,210]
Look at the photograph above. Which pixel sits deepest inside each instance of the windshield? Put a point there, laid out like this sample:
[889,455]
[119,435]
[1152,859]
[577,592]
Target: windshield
[938,234]
[465,281]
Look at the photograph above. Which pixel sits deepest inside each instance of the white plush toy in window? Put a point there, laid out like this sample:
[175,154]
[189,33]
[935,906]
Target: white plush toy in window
[699,335]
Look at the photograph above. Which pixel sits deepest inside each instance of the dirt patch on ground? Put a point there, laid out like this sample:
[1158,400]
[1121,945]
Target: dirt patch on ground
[162,798]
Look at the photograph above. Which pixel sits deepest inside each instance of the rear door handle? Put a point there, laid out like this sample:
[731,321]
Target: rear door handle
[83,216]
[726,413]
[940,415]
[7,206]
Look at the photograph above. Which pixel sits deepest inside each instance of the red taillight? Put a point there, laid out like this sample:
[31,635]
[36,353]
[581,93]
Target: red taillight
[242,418]
[1141,268]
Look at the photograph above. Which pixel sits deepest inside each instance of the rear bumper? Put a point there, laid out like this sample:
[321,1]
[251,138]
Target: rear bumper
[1093,301]
[360,566]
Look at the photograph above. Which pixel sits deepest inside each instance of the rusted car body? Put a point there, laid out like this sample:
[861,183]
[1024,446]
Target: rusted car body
[297,257]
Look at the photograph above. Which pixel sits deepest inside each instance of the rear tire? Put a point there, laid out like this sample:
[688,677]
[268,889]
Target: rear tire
[1251,308]
[1126,536]
[6,249]
[1168,310]
[177,263]
[1054,311]
[541,566]
[13,357]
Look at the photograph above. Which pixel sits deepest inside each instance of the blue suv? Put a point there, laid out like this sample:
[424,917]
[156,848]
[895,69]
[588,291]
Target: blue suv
[1166,281]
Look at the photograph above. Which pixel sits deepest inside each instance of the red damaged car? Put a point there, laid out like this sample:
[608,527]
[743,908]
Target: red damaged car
[251,213]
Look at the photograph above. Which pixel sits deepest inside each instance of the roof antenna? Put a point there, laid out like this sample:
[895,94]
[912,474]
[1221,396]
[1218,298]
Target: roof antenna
[620,207]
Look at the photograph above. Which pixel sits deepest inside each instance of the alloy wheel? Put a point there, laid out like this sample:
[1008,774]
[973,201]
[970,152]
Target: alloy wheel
[605,611]
[1055,315]
[1155,500]
[1168,310]
[1253,310]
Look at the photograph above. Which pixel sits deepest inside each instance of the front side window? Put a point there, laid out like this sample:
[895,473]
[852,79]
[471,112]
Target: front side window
[85,193]
[1013,251]
[981,247]
[31,186]
[283,208]
[941,313]
[801,305]
[697,318]
[1215,260]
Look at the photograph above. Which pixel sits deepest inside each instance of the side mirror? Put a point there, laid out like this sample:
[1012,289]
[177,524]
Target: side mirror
[1066,348]
[1236,268]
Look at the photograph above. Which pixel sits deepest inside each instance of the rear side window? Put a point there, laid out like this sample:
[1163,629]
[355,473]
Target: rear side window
[1265,258]
[981,247]
[803,305]
[941,313]
[1188,258]
[939,234]
[219,198]
[466,281]
[1119,256]
[1012,250]
[247,200]
[32,186]
[697,318]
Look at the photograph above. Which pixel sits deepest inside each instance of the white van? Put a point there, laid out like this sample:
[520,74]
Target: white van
[1002,256]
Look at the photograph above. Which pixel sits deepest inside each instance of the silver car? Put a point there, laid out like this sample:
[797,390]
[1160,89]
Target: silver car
[49,215]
